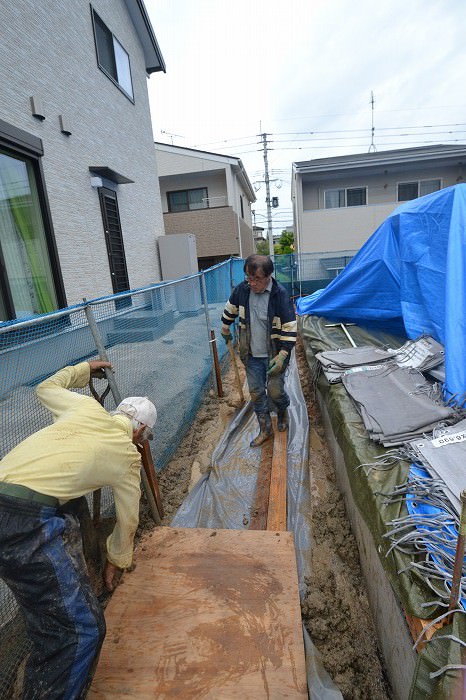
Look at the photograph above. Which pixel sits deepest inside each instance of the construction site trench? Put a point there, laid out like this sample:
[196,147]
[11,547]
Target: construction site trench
[335,609]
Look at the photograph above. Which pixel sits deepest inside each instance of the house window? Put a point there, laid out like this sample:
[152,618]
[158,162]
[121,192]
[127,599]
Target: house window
[417,188]
[242,207]
[347,197]
[187,200]
[28,282]
[112,58]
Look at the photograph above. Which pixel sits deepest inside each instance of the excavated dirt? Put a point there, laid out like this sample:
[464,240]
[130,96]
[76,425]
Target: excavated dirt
[335,609]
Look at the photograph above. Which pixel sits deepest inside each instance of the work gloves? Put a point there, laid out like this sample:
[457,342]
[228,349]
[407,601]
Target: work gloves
[225,333]
[276,363]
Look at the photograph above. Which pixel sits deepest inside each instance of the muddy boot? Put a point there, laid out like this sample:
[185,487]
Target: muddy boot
[266,431]
[282,420]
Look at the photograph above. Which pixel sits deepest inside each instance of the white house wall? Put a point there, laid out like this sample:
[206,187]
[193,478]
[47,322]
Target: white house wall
[172,163]
[347,228]
[340,229]
[47,51]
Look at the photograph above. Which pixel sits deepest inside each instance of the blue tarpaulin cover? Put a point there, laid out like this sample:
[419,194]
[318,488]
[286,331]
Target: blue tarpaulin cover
[409,278]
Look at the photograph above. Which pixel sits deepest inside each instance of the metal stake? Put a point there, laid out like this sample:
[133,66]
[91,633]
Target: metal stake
[343,328]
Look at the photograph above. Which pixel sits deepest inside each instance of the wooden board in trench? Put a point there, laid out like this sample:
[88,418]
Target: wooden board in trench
[206,614]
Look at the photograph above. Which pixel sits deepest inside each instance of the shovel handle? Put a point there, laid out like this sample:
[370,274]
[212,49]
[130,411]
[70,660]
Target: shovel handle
[235,367]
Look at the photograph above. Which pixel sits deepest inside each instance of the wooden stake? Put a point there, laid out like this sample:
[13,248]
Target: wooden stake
[218,375]
[235,367]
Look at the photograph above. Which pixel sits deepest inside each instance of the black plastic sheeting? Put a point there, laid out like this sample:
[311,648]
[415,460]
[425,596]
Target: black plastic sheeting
[224,498]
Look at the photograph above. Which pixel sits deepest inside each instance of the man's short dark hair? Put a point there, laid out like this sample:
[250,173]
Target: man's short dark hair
[258,262]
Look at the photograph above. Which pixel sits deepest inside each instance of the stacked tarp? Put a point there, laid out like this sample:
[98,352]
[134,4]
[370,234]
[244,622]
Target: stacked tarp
[371,484]
[444,456]
[409,278]
[423,354]
[396,403]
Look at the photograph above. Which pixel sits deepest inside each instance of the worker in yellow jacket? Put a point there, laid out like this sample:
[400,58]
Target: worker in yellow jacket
[41,558]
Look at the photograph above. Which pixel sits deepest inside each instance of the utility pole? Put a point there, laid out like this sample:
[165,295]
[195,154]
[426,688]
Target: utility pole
[372,147]
[267,195]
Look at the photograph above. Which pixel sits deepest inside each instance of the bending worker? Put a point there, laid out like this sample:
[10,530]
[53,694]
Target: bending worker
[41,557]
[267,336]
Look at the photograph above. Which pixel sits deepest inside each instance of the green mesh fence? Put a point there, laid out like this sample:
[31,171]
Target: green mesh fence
[303,274]
[158,340]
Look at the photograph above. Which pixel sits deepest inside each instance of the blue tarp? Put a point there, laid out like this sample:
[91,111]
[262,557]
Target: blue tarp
[409,278]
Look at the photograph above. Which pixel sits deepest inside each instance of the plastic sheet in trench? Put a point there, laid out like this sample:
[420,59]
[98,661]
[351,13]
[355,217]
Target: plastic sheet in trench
[224,498]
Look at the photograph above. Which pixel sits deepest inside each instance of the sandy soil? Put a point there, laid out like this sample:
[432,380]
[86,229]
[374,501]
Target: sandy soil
[335,609]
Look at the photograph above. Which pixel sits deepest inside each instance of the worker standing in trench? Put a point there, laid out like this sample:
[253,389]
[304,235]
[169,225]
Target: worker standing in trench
[267,336]
[41,556]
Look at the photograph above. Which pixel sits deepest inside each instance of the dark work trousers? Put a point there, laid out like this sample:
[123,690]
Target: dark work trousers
[267,393]
[42,562]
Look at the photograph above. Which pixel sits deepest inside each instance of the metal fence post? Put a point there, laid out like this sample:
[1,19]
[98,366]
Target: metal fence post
[232,282]
[117,398]
[207,320]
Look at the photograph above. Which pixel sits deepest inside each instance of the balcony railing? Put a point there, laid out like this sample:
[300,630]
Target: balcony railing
[212,202]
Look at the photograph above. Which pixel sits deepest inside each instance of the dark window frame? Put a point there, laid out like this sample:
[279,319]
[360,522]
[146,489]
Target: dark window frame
[113,78]
[418,184]
[18,143]
[187,191]
[345,190]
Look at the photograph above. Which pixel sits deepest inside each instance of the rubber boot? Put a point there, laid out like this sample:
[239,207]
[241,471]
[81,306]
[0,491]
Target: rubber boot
[265,425]
[282,420]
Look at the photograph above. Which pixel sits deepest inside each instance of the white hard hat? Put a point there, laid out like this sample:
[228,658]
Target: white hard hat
[139,408]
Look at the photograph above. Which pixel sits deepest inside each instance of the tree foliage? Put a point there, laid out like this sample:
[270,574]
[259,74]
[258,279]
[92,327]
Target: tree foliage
[285,244]
[262,247]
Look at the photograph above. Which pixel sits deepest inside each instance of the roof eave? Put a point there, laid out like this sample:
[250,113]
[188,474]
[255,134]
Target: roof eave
[152,53]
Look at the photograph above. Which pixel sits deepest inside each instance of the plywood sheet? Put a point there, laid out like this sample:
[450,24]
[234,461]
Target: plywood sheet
[206,614]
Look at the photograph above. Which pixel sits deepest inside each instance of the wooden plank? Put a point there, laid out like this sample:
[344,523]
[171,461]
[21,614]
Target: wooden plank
[205,614]
[416,625]
[276,519]
[261,497]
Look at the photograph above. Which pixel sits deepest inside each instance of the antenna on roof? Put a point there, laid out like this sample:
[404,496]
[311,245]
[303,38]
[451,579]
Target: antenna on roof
[171,135]
[372,146]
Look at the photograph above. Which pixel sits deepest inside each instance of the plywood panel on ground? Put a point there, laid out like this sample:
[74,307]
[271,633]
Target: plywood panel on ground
[206,614]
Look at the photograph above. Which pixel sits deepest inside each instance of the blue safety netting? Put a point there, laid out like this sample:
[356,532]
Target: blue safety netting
[409,278]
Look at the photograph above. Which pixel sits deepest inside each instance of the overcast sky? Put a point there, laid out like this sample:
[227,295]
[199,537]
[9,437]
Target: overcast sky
[303,72]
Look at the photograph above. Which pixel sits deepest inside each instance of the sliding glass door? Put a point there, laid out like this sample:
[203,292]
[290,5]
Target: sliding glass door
[27,283]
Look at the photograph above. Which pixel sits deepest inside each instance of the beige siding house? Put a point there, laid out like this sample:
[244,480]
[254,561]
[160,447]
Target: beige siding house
[78,213]
[339,202]
[209,195]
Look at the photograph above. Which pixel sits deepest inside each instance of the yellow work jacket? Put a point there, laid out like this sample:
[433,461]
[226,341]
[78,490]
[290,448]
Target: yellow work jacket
[83,450]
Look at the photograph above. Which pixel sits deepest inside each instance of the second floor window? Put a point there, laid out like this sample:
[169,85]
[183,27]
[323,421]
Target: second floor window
[345,197]
[187,200]
[112,58]
[416,188]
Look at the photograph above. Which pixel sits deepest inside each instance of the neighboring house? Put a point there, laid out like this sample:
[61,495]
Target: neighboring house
[209,195]
[339,202]
[80,209]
